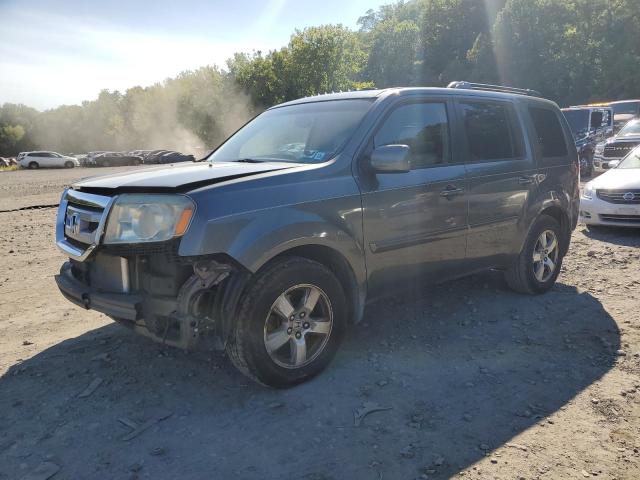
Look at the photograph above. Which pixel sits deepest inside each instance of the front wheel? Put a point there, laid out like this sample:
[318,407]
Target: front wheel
[538,265]
[34,165]
[68,165]
[291,321]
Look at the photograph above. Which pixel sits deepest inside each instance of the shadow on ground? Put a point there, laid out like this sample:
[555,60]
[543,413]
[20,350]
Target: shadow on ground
[463,369]
[627,237]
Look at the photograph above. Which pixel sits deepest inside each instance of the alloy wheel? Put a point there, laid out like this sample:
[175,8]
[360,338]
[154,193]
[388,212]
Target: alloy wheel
[298,326]
[545,256]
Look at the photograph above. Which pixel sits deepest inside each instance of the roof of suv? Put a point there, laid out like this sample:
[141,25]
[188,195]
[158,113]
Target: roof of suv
[402,91]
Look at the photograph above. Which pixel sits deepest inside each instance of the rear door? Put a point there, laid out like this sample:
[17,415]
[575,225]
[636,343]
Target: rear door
[45,159]
[415,222]
[501,172]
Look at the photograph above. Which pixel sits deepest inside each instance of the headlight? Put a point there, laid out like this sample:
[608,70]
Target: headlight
[599,150]
[137,218]
[587,192]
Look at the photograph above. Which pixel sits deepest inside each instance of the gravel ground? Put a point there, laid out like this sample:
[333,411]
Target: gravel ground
[465,380]
[27,188]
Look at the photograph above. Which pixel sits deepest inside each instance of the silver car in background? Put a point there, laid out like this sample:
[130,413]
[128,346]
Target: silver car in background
[613,199]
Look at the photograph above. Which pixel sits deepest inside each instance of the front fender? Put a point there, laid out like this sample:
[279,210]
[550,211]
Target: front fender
[253,238]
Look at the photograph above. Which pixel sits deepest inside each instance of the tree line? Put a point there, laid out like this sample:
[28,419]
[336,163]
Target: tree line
[572,51]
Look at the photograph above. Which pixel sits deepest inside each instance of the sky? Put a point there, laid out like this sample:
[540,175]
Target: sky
[55,52]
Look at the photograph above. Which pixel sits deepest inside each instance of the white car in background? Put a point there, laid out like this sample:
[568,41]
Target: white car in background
[44,159]
[613,198]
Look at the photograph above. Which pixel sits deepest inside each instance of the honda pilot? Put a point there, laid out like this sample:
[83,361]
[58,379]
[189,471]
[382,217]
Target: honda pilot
[273,245]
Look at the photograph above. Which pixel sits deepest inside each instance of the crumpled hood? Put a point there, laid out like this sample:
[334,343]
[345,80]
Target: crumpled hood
[618,179]
[179,176]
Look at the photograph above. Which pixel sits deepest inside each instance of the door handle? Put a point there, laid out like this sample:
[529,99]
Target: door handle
[451,191]
[526,180]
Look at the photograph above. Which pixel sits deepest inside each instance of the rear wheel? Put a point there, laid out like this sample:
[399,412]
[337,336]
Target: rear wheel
[34,165]
[538,265]
[291,321]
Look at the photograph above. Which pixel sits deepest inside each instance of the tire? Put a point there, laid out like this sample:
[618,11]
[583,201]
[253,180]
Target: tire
[135,162]
[521,276]
[68,165]
[34,165]
[258,319]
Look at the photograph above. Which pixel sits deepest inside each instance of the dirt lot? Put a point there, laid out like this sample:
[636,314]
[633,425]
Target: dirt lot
[474,381]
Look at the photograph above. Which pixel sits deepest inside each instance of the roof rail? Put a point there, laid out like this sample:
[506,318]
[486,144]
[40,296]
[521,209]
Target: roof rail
[494,88]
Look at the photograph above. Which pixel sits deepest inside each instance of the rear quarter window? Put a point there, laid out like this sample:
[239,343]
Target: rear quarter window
[492,131]
[548,132]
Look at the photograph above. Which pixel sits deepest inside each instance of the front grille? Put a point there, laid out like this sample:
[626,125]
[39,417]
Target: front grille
[81,220]
[168,248]
[618,150]
[628,197]
[635,219]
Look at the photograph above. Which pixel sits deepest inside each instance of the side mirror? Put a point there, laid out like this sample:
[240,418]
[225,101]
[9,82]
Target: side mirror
[391,159]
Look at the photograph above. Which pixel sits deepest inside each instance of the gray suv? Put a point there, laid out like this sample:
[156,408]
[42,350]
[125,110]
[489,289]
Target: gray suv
[273,245]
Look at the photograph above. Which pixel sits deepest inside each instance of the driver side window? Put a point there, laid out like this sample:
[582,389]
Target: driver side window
[424,127]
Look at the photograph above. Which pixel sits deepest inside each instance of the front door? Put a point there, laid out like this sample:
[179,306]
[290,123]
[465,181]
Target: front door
[415,222]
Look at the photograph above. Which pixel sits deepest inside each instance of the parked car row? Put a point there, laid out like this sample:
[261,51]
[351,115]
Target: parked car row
[48,159]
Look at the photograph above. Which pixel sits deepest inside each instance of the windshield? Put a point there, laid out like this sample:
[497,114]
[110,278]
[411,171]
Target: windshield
[625,108]
[632,160]
[631,129]
[304,133]
[578,120]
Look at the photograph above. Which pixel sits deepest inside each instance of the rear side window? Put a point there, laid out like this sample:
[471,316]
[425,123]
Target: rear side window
[424,127]
[549,132]
[492,131]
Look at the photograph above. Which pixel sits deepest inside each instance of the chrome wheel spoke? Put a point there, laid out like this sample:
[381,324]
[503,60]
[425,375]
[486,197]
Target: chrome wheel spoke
[550,265]
[538,270]
[298,351]
[311,299]
[321,327]
[275,340]
[283,307]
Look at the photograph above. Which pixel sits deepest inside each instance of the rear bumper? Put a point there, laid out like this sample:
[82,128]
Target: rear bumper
[120,305]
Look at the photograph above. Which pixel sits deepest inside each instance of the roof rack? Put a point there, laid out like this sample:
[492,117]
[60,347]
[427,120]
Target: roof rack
[494,88]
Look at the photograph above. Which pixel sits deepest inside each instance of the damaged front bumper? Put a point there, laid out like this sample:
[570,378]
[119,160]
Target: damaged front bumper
[119,305]
[148,286]
[203,305]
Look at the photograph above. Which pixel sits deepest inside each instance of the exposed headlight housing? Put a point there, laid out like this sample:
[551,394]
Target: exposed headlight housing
[587,192]
[139,218]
